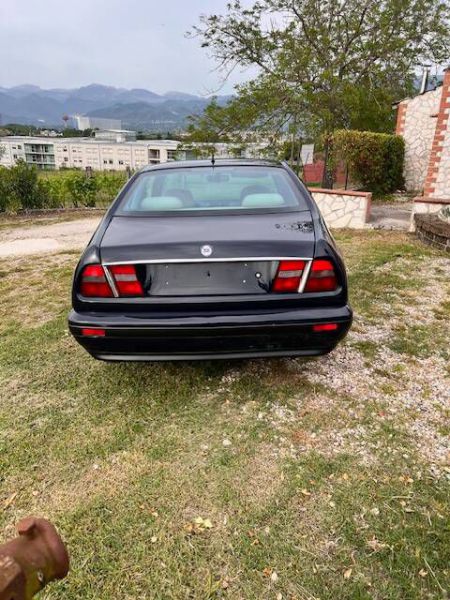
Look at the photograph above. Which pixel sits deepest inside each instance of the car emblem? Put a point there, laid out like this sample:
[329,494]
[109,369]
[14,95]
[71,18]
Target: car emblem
[206,250]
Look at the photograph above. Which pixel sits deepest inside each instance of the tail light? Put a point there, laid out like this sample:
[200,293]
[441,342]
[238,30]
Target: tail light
[288,276]
[322,277]
[126,280]
[325,327]
[94,283]
[90,332]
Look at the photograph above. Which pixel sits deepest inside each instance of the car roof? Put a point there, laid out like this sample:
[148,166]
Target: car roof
[222,162]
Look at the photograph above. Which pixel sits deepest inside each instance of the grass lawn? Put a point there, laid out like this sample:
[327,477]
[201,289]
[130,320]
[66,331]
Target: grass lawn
[285,479]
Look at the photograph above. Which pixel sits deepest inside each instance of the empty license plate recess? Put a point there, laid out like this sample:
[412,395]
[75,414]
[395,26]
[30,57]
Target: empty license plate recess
[209,278]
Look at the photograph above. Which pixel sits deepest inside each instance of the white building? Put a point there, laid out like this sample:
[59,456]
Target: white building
[83,123]
[115,135]
[98,154]
[193,150]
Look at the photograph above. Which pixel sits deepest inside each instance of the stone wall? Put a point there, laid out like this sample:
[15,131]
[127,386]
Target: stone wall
[437,182]
[343,208]
[416,122]
[426,205]
[432,230]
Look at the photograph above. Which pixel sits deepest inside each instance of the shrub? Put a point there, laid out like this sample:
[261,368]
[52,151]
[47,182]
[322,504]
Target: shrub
[56,189]
[375,160]
[82,189]
[5,194]
[109,183]
[24,188]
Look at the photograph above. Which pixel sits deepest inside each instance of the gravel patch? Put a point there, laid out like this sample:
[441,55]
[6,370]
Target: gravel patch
[391,392]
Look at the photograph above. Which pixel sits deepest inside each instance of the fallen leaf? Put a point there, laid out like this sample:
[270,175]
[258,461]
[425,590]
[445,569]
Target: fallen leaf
[423,573]
[226,443]
[10,500]
[375,545]
[305,492]
[154,539]
[274,577]
[348,573]
[199,525]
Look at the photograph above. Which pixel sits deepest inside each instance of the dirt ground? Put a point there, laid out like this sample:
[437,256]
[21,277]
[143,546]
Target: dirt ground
[53,237]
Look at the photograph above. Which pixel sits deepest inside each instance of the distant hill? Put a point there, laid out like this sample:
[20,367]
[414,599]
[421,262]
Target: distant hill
[164,116]
[137,108]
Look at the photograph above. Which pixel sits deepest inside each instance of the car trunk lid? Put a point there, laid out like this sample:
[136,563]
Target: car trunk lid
[181,238]
[208,256]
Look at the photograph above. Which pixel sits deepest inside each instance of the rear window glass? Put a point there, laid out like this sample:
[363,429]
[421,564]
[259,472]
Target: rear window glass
[219,188]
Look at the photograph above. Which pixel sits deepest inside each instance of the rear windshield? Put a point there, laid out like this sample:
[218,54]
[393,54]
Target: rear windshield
[206,189]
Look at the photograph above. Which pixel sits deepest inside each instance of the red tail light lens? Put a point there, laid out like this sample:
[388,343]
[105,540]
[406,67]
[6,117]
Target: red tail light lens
[288,276]
[89,332]
[322,277]
[126,280]
[325,327]
[94,283]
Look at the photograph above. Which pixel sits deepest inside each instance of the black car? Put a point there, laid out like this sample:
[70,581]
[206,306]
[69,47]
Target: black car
[196,260]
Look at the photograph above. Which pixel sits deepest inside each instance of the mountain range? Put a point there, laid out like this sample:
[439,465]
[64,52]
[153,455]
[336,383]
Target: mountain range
[138,108]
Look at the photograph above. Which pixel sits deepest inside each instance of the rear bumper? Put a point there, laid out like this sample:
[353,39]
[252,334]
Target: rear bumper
[140,338]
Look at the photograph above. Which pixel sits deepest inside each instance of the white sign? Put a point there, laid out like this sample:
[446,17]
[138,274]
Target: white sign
[307,154]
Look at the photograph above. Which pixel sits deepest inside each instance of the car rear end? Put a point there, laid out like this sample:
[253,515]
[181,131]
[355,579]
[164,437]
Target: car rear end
[211,284]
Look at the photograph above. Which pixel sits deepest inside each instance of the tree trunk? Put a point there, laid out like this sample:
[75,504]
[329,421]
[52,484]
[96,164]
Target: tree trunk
[327,178]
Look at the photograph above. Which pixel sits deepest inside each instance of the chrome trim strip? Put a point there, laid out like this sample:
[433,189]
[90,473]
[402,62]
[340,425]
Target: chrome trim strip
[301,287]
[194,260]
[125,278]
[305,276]
[111,281]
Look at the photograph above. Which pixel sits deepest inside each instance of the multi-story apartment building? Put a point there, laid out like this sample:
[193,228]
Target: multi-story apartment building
[98,154]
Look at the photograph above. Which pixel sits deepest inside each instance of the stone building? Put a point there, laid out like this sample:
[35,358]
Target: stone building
[423,121]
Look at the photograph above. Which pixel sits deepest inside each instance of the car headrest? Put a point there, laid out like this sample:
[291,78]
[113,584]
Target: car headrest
[160,203]
[262,200]
[257,188]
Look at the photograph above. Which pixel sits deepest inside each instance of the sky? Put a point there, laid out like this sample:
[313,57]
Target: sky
[125,43]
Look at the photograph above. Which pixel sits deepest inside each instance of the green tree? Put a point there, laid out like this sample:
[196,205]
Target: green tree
[5,191]
[72,132]
[24,188]
[321,65]
[19,129]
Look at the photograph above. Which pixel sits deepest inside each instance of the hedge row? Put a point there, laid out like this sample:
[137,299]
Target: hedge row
[24,187]
[375,160]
